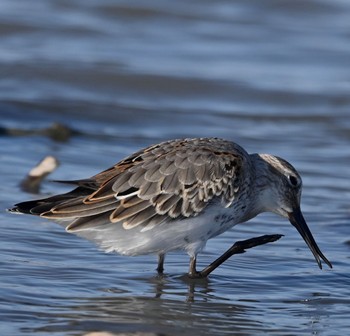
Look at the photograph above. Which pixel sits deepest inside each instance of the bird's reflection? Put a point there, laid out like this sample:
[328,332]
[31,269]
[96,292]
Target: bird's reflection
[163,284]
[166,307]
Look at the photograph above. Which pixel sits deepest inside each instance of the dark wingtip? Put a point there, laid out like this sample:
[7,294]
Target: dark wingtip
[24,207]
[15,209]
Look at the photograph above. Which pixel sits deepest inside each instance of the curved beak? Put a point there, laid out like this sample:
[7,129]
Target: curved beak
[297,219]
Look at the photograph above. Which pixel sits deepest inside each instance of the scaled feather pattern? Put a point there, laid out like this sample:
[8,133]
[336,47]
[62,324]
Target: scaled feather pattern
[174,179]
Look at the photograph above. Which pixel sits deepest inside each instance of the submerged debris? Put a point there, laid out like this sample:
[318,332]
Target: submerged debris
[57,132]
[32,182]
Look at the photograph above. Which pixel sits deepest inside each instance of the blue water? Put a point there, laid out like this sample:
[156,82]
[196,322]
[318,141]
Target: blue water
[272,76]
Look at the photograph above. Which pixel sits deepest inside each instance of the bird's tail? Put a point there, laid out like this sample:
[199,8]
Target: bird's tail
[40,206]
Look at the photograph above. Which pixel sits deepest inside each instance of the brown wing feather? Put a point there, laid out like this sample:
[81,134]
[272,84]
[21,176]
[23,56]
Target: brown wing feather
[174,179]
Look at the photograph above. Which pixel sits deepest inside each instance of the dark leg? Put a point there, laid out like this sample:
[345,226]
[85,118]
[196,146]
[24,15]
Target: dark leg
[236,248]
[192,272]
[160,268]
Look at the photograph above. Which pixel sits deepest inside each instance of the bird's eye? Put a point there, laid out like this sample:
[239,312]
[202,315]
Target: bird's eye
[293,180]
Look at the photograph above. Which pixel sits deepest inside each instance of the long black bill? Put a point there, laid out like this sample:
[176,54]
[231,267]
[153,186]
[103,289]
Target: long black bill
[297,219]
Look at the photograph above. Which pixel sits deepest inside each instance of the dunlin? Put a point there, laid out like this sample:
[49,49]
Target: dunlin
[175,196]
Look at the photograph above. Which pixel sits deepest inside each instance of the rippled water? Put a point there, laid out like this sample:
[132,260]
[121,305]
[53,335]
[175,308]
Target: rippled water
[273,76]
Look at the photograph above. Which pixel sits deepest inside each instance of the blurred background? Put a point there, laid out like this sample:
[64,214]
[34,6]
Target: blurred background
[91,81]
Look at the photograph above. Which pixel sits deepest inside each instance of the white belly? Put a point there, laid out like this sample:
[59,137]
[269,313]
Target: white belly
[190,234]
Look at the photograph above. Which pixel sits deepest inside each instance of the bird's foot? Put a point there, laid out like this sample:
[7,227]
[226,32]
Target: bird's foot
[196,275]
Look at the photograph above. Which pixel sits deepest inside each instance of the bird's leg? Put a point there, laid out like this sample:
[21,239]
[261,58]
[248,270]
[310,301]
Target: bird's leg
[160,267]
[192,272]
[236,248]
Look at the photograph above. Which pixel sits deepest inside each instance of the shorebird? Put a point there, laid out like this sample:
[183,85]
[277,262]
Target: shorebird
[176,195]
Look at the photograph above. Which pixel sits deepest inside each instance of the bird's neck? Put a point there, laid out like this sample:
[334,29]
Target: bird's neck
[261,184]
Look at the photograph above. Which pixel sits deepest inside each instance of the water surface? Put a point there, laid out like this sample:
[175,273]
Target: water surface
[272,76]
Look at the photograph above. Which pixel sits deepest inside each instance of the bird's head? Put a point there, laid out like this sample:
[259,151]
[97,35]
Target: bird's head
[282,186]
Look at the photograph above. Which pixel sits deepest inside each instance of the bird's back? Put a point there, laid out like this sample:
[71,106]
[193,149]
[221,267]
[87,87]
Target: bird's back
[170,181]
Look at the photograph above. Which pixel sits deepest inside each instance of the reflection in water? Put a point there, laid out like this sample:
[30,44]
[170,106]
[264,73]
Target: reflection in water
[162,286]
[160,314]
[167,309]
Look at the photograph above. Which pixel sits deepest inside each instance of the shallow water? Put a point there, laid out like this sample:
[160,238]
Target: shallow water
[272,76]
